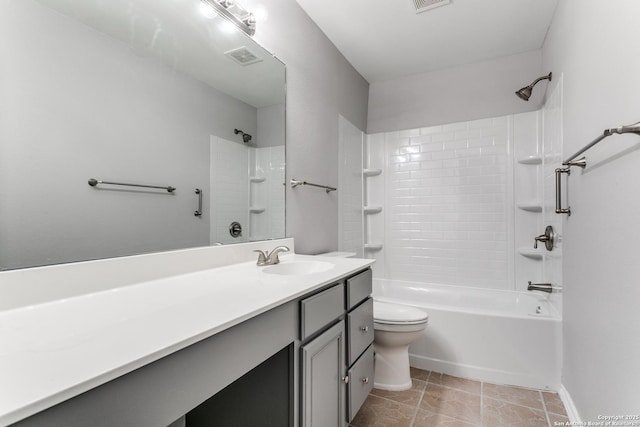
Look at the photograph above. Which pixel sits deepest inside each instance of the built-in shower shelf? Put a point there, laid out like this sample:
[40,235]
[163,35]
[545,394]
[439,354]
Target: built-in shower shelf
[257,178]
[369,210]
[256,209]
[530,160]
[373,247]
[530,206]
[371,172]
[530,253]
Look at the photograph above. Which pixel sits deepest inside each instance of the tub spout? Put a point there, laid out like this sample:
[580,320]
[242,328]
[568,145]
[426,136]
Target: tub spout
[544,287]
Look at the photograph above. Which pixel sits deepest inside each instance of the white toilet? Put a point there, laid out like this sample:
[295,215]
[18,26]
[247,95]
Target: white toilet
[395,327]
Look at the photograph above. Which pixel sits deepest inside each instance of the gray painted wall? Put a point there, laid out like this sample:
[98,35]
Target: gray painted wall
[469,92]
[321,84]
[270,119]
[63,112]
[601,317]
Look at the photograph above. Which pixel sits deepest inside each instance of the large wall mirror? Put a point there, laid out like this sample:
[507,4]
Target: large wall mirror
[159,93]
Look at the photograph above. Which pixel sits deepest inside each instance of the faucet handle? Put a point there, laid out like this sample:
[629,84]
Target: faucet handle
[262,258]
[547,238]
[541,238]
[272,258]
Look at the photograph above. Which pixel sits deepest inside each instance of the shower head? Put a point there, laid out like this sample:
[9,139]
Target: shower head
[245,136]
[634,128]
[525,92]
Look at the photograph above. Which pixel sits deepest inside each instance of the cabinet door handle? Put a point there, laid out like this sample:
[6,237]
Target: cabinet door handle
[364,329]
[365,380]
[345,379]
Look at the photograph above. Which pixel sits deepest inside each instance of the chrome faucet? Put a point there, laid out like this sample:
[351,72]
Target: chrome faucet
[270,258]
[544,287]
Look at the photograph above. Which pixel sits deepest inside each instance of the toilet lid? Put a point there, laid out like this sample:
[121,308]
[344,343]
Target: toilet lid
[384,312]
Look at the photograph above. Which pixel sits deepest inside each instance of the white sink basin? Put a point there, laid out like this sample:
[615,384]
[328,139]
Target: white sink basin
[298,268]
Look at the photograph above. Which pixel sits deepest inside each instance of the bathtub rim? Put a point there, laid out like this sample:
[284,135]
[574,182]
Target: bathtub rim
[543,298]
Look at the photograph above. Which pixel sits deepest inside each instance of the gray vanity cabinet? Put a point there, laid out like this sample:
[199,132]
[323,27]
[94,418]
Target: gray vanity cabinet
[336,328]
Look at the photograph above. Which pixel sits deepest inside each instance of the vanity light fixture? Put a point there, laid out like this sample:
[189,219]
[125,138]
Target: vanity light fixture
[235,13]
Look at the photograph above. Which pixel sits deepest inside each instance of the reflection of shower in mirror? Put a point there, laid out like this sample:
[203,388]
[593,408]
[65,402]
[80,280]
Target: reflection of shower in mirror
[245,136]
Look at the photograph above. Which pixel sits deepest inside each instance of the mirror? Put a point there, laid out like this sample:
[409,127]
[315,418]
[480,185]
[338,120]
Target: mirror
[158,93]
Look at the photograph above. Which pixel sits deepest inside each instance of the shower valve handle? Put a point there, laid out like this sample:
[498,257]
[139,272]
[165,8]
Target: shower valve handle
[548,238]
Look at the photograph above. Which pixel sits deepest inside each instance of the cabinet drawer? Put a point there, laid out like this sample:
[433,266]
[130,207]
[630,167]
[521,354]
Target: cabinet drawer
[320,310]
[358,288]
[360,383]
[360,330]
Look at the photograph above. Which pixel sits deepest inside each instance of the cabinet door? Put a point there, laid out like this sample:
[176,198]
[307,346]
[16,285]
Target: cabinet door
[322,379]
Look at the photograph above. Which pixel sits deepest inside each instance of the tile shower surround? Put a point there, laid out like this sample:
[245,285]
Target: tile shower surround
[442,400]
[448,196]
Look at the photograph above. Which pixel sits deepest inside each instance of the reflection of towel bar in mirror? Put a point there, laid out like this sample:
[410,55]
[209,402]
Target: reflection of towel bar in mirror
[295,183]
[94,182]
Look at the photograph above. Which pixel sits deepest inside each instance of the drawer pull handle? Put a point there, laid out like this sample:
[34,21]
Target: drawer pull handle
[345,379]
[364,329]
[365,380]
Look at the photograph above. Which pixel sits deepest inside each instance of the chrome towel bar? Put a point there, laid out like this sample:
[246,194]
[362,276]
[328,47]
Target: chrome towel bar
[634,128]
[582,161]
[295,183]
[94,182]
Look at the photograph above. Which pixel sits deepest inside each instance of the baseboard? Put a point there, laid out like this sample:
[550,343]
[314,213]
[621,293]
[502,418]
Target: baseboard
[569,406]
[480,373]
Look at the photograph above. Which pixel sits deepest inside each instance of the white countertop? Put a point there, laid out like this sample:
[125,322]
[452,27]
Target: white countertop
[53,351]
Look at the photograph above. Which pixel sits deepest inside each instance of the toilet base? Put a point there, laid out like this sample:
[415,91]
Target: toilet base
[392,370]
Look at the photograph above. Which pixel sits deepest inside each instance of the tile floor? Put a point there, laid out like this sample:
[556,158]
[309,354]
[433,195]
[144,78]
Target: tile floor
[442,400]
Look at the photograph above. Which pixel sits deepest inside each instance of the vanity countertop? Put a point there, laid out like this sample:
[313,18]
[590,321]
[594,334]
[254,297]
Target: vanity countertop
[56,350]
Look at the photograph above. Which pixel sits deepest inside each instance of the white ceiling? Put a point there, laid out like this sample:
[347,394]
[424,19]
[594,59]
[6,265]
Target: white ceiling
[386,39]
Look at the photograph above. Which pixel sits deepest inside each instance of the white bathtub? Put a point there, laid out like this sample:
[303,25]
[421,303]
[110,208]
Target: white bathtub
[502,337]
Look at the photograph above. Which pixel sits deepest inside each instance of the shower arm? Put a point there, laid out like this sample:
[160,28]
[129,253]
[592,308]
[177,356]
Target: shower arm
[535,82]
[634,128]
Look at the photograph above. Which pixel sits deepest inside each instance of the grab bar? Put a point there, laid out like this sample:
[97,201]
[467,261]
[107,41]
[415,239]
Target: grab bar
[581,163]
[198,211]
[295,183]
[94,182]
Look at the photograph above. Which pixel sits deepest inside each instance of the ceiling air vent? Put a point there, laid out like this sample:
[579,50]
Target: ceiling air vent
[243,56]
[424,5]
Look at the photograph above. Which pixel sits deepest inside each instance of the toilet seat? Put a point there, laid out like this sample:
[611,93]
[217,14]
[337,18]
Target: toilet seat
[394,314]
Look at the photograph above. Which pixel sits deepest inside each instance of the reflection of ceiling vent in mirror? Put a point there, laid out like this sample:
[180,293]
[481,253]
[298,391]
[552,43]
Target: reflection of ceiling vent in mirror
[424,5]
[243,56]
